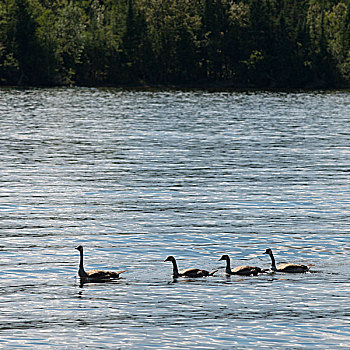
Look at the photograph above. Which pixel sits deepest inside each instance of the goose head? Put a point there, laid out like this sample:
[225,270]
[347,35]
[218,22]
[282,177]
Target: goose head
[170,258]
[80,248]
[268,251]
[225,257]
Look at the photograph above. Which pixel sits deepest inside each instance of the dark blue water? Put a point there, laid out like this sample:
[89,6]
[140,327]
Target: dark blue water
[135,176]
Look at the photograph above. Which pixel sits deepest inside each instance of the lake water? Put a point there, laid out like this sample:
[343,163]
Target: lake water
[135,176]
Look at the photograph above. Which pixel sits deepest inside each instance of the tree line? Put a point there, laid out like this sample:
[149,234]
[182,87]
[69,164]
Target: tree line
[236,43]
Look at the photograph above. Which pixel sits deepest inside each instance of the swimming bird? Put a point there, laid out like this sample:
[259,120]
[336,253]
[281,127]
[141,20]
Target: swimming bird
[286,267]
[243,270]
[191,272]
[95,275]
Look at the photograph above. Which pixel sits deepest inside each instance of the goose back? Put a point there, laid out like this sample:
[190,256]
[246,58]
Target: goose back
[246,270]
[103,275]
[193,272]
[292,268]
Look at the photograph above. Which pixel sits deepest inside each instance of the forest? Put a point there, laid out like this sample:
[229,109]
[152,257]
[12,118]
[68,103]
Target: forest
[225,43]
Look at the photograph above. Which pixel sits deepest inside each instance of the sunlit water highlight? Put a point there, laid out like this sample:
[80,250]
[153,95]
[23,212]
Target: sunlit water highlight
[135,176]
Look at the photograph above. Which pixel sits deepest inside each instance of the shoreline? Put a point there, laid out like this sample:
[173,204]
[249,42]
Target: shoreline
[210,86]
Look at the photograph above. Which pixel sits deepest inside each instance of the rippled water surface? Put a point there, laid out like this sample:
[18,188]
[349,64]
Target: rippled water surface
[135,176]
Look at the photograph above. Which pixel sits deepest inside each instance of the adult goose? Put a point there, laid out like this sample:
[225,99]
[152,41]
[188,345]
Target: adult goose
[243,270]
[95,275]
[191,272]
[286,267]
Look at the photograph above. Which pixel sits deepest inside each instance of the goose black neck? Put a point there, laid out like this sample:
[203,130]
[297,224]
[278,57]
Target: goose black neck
[175,270]
[81,260]
[228,265]
[81,271]
[273,263]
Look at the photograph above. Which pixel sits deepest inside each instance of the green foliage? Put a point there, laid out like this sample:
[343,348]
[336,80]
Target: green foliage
[9,68]
[337,33]
[260,43]
[69,35]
